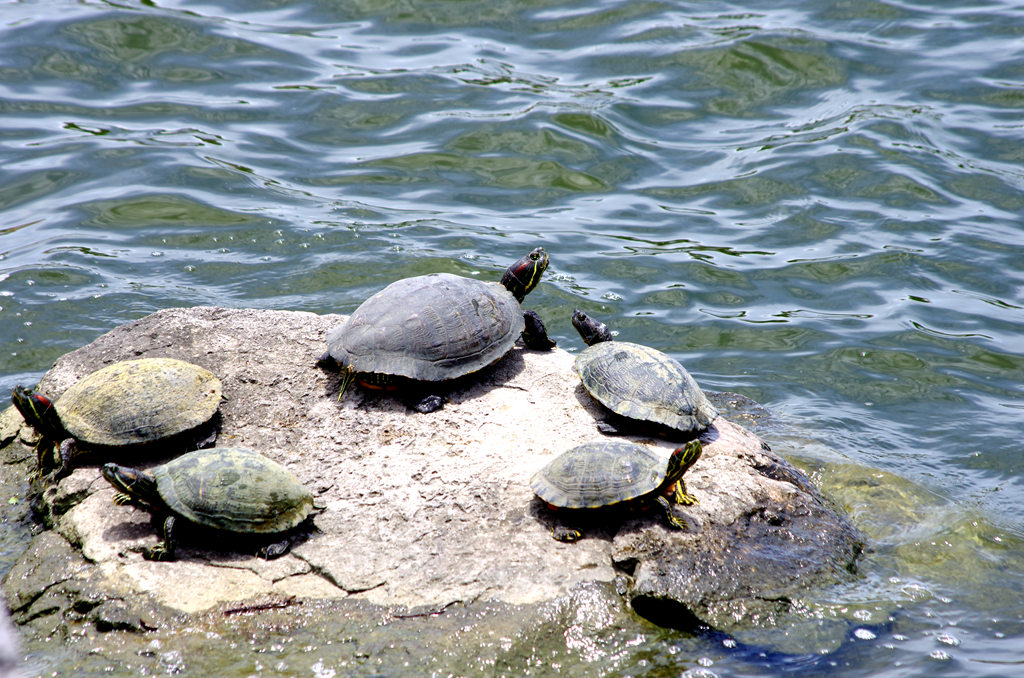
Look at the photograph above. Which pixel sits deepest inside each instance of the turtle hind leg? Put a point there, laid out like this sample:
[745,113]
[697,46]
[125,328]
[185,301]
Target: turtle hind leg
[610,428]
[165,550]
[535,335]
[274,550]
[430,403]
[565,534]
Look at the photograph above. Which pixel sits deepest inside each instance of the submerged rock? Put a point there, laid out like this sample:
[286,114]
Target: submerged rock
[425,510]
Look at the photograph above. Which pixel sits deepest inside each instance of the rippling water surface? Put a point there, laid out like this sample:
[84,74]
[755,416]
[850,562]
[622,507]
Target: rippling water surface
[815,204]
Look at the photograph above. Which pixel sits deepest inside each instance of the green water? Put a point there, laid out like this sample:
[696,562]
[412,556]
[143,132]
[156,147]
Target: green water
[815,204]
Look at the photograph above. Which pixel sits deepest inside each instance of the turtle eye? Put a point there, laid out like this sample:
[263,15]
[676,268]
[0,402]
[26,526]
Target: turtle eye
[534,256]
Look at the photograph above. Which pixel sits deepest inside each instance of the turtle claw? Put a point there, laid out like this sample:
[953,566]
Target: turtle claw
[122,499]
[158,553]
[677,522]
[682,497]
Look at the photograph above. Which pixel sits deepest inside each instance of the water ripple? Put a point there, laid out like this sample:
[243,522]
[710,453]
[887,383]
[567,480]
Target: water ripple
[817,205]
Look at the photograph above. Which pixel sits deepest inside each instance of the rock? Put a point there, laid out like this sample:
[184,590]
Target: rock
[424,510]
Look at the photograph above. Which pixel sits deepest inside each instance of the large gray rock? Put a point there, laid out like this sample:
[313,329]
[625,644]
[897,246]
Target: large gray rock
[424,510]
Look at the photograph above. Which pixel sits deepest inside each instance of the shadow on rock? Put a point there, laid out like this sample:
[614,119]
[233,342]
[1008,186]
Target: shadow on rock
[406,393]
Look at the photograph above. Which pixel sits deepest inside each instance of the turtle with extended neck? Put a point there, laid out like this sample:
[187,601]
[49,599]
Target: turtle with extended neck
[435,327]
[638,383]
[133,404]
[229,489]
[615,475]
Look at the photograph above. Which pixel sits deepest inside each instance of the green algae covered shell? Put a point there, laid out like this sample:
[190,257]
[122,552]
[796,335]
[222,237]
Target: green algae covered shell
[139,401]
[233,489]
[599,474]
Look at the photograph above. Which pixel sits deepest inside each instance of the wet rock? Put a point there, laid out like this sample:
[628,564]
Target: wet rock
[754,559]
[420,510]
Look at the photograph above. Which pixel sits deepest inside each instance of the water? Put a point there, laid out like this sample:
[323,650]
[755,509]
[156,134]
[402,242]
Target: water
[815,204]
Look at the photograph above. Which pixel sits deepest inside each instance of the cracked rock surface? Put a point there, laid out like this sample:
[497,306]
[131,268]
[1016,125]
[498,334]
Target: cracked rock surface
[423,510]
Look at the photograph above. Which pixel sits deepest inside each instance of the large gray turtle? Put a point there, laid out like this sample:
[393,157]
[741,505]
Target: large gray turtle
[638,382]
[615,474]
[435,327]
[124,405]
[223,488]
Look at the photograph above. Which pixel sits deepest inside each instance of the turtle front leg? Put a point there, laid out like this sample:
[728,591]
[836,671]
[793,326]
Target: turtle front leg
[165,550]
[46,454]
[535,335]
[683,497]
[673,520]
[60,460]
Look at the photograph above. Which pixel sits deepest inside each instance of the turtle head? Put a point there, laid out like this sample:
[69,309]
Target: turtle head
[38,412]
[132,484]
[521,277]
[681,461]
[592,331]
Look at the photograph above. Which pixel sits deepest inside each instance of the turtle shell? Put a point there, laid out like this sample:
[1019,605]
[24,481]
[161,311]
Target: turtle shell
[234,489]
[643,383]
[430,327]
[599,474]
[139,401]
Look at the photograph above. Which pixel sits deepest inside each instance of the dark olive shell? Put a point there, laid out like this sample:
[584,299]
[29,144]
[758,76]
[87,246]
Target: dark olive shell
[643,383]
[233,489]
[430,328]
[599,474]
[139,401]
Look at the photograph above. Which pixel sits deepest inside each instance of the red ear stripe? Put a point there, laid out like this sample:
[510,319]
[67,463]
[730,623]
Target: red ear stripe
[42,399]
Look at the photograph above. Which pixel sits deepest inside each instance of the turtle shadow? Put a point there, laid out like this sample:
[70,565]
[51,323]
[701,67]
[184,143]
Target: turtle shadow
[599,523]
[129,530]
[607,523]
[193,542]
[408,392]
[145,455]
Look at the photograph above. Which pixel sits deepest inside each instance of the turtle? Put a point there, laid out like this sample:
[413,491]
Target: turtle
[230,489]
[607,474]
[639,383]
[126,404]
[436,327]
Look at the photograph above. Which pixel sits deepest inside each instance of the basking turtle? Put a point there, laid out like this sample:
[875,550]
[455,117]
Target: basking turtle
[616,474]
[638,382]
[436,327]
[224,488]
[129,403]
